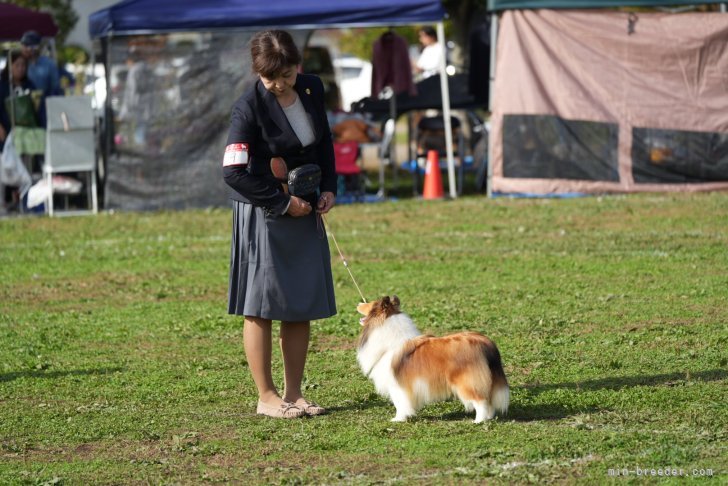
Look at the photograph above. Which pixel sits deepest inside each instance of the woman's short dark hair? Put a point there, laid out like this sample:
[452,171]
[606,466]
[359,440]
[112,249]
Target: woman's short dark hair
[14,54]
[272,51]
[429,31]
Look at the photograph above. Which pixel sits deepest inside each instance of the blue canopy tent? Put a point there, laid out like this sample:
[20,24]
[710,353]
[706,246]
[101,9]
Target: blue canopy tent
[154,17]
[144,16]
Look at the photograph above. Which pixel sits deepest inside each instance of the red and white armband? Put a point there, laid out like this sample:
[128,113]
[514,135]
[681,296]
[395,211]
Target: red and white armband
[236,154]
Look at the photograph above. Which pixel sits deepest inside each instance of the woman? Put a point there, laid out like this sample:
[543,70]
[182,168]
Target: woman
[280,265]
[21,85]
[428,64]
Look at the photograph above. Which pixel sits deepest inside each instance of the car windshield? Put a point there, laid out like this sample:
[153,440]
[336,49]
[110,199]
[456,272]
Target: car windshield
[350,72]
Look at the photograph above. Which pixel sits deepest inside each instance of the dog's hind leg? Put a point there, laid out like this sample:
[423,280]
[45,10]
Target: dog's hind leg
[472,399]
[483,411]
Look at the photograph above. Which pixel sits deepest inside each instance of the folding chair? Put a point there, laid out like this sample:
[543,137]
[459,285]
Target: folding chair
[349,181]
[431,136]
[70,143]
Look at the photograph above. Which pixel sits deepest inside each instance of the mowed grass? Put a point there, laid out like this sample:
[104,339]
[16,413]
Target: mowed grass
[119,365]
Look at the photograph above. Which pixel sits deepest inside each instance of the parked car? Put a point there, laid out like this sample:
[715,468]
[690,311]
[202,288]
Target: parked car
[317,60]
[355,79]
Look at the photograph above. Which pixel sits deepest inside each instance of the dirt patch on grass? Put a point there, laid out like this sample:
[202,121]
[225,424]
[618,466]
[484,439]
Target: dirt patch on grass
[334,466]
[326,342]
[104,289]
[185,456]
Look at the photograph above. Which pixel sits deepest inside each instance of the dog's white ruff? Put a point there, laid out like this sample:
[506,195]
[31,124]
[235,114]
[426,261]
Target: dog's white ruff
[375,360]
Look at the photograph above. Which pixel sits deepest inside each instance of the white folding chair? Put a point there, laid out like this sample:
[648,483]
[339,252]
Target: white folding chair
[70,143]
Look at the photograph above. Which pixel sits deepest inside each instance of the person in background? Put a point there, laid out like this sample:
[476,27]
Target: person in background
[21,85]
[66,80]
[42,71]
[428,63]
[280,264]
[139,103]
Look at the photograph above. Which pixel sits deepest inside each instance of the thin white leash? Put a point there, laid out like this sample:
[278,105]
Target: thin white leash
[346,264]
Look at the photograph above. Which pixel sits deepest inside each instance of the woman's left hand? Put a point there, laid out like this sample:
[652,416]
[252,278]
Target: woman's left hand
[326,202]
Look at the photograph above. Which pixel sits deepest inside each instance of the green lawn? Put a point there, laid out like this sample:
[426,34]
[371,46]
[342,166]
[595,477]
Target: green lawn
[118,363]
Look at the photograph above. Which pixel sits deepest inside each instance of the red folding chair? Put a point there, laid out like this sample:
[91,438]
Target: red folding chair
[346,155]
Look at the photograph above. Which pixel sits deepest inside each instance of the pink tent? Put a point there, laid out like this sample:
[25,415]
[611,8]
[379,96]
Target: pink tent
[589,101]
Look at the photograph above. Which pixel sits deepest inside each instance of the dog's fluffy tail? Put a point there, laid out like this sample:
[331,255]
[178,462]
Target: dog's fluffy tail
[500,393]
[500,398]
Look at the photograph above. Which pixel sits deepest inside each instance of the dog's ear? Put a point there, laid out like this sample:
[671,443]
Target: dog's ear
[390,305]
[364,308]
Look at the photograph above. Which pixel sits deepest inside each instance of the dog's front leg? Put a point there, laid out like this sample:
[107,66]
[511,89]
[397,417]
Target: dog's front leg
[401,417]
[402,403]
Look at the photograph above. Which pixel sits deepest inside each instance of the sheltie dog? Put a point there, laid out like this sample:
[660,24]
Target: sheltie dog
[413,370]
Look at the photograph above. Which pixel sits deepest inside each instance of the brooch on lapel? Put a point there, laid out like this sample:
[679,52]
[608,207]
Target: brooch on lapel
[308,91]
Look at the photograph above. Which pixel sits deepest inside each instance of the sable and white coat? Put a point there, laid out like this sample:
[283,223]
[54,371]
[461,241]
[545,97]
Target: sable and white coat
[413,370]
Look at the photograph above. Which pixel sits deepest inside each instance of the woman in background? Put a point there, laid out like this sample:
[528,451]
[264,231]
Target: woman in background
[21,85]
[428,64]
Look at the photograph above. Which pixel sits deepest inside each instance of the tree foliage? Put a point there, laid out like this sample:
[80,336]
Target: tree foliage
[461,15]
[358,42]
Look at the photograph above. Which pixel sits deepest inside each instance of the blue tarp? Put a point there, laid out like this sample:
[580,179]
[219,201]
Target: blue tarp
[147,16]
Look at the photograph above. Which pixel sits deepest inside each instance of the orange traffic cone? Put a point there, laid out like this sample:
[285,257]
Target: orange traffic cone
[433,178]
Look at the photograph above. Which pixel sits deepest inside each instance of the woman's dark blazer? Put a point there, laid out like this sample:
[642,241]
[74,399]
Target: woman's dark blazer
[261,130]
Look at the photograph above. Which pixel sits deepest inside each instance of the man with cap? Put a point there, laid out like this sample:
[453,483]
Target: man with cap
[42,71]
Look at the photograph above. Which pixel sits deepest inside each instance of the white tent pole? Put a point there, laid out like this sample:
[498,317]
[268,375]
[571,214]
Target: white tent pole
[446,111]
[491,92]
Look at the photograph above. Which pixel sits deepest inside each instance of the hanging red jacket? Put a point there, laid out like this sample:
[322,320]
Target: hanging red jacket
[391,65]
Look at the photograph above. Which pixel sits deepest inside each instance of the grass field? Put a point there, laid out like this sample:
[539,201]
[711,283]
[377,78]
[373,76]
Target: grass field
[119,365]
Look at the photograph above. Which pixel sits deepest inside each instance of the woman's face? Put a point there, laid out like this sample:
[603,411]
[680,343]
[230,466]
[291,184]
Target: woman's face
[19,68]
[425,39]
[282,83]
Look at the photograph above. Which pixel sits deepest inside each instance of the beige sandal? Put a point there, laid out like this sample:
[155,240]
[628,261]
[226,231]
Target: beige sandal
[310,408]
[285,410]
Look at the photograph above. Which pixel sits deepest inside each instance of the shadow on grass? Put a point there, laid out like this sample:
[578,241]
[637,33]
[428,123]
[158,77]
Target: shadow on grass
[520,412]
[55,374]
[516,412]
[531,412]
[618,382]
[366,404]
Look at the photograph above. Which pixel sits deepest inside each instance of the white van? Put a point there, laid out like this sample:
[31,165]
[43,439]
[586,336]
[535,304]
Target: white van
[355,79]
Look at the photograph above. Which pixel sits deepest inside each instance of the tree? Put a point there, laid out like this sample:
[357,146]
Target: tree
[462,14]
[358,42]
[62,11]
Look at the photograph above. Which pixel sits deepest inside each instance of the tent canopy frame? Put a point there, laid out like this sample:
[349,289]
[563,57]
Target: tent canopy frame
[432,11]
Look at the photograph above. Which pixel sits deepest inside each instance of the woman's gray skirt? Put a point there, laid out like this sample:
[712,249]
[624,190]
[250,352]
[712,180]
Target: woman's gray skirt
[280,267]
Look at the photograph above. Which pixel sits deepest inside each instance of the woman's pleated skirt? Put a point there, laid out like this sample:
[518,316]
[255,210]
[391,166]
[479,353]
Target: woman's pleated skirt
[280,267]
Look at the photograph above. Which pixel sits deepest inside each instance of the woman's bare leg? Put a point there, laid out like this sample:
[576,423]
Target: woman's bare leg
[258,350]
[294,346]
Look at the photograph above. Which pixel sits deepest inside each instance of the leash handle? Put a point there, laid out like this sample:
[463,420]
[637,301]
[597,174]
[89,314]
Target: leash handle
[346,264]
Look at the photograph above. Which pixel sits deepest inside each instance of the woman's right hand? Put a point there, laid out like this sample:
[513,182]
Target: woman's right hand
[298,207]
